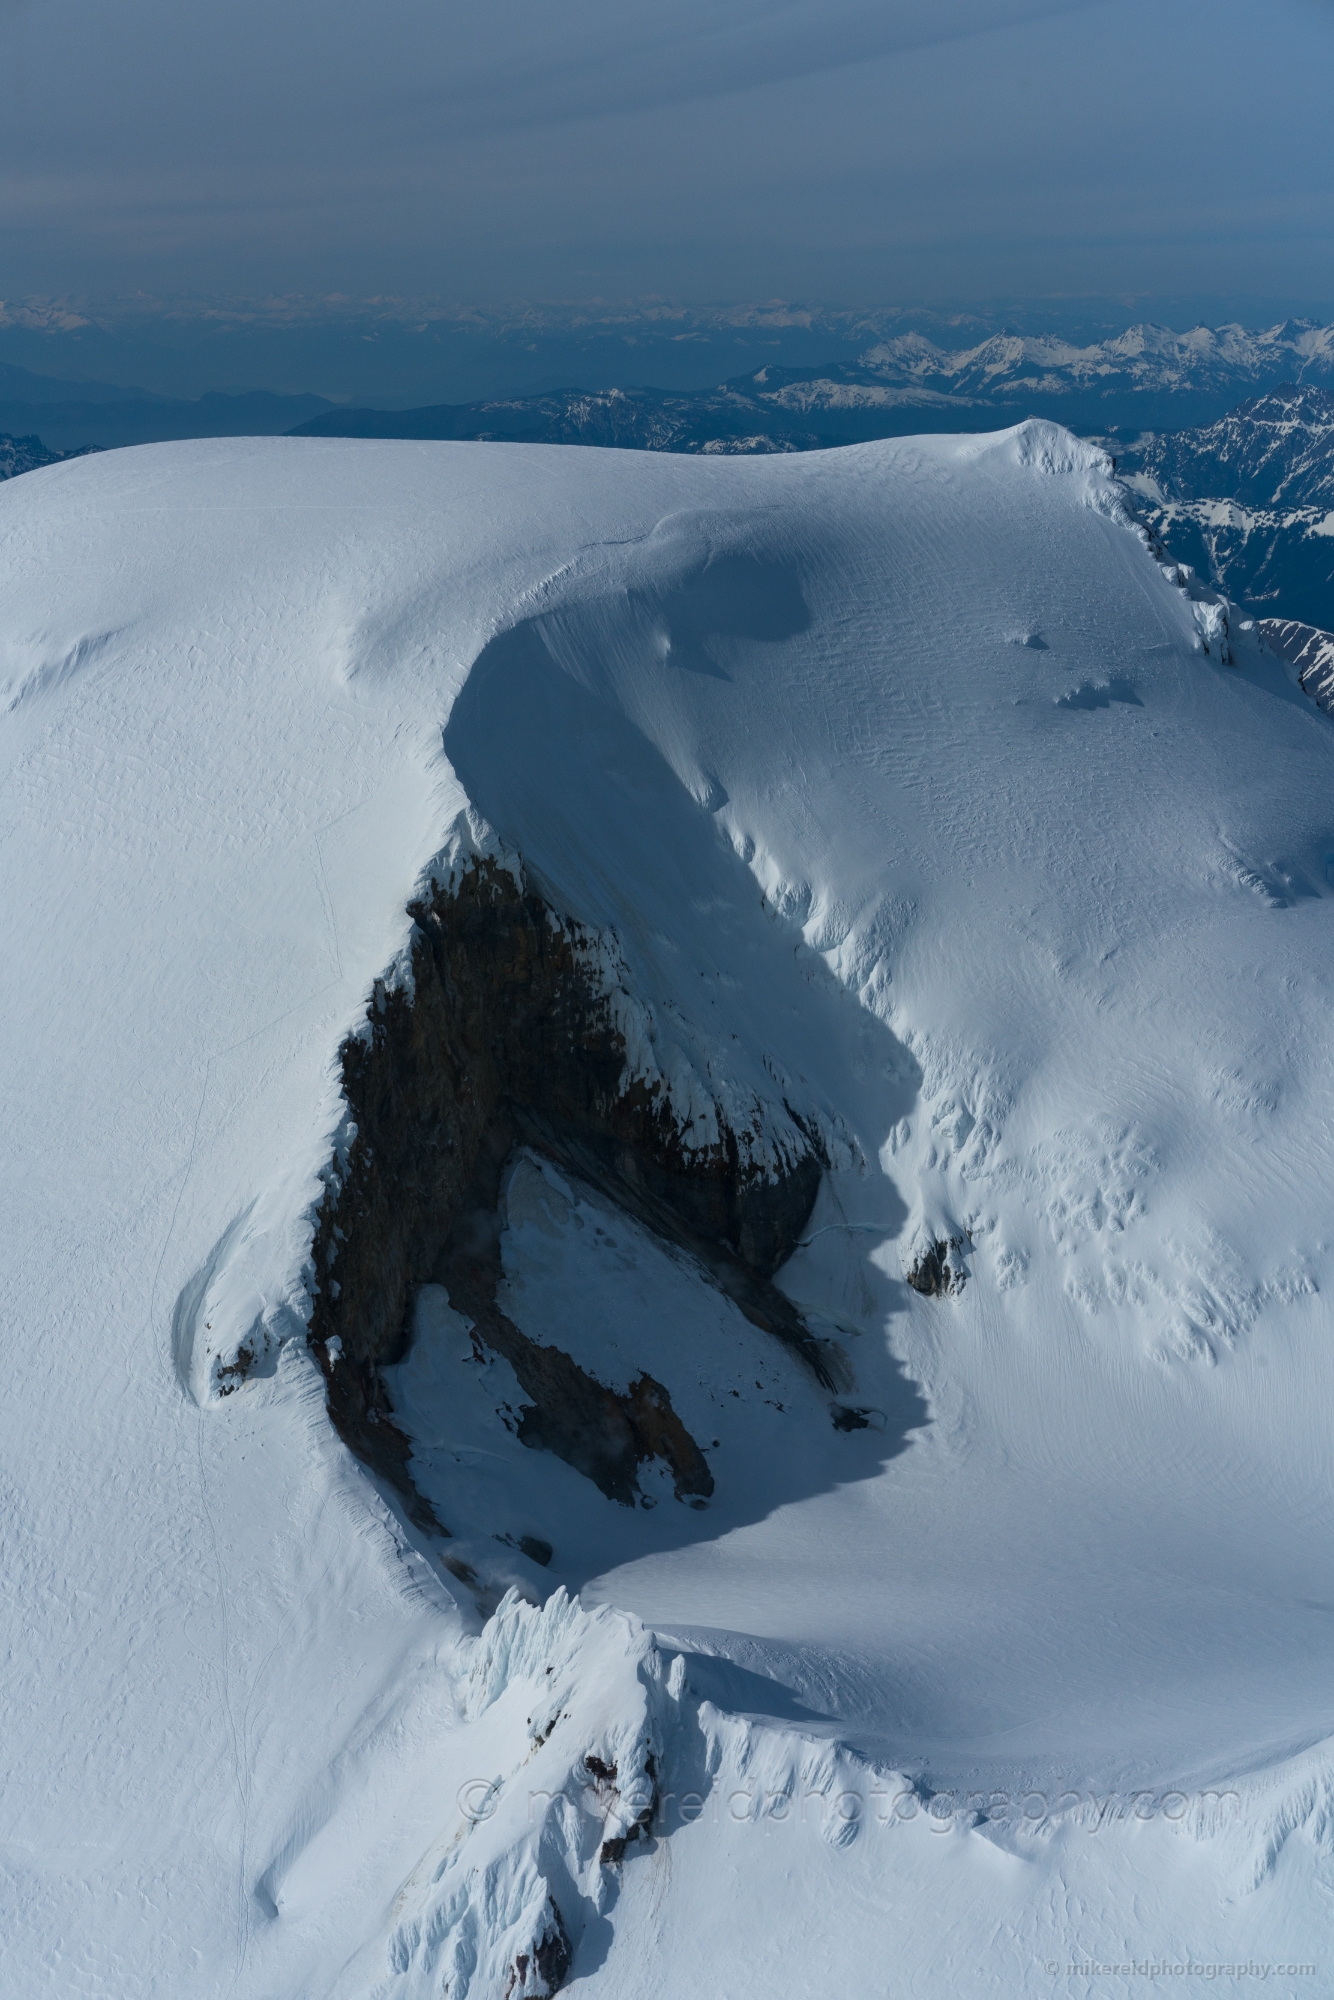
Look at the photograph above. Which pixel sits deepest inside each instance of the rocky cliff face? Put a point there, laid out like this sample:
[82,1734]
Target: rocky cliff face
[1246,501]
[1308,649]
[505,1035]
[1275,451]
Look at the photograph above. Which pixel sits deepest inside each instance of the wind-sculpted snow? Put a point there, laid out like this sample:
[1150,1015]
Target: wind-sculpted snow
[900,808]
[520,1878]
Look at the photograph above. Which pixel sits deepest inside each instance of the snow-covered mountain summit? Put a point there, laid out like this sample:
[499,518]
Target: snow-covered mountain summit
[665,1228]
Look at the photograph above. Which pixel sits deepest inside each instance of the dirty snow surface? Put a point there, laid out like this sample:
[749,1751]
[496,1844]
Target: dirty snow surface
[911,789]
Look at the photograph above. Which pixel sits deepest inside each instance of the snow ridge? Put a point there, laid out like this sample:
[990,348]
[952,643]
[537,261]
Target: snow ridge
[571,1705]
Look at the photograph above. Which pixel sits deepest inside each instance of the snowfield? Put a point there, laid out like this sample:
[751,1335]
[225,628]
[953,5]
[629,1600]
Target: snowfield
[911,802]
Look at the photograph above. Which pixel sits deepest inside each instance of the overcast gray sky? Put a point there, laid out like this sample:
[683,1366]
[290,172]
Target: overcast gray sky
[710,149]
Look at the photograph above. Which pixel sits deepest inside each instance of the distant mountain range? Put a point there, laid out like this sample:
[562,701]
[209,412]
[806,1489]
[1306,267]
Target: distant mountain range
[1138,369]
[70,415]
[29,454]
[736,417]
[1248,501]
[1145,378]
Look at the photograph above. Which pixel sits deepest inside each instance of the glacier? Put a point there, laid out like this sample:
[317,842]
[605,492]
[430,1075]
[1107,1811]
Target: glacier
[907,800]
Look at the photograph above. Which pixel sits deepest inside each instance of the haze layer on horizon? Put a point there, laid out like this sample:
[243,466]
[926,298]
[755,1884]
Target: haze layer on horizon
[852,150]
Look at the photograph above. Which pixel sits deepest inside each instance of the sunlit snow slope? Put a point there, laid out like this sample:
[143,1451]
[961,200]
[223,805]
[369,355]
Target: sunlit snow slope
[911,791]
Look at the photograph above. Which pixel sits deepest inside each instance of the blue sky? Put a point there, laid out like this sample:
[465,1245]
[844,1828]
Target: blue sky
[840,150]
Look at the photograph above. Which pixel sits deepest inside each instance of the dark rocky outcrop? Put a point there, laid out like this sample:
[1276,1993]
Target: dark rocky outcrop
[938,1269]
[544,1969]
[604,1434]
[506,1037]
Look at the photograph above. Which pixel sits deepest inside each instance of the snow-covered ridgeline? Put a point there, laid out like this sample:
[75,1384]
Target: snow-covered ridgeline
[602,1751]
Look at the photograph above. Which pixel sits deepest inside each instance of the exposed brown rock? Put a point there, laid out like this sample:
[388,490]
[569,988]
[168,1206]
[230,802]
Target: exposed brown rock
[506,1038]
[544,1969]
[937,1271]
[605,1435]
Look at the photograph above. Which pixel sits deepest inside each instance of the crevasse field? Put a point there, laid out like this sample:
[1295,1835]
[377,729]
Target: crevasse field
[904,787]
